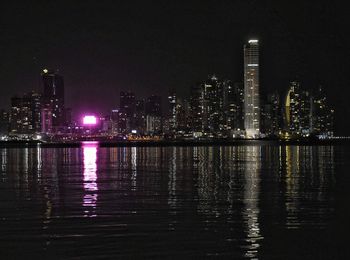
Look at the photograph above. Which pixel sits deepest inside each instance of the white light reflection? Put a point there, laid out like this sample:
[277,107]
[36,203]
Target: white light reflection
[90,177]
[133,168]
[251,200]
[3,161]
[38,160]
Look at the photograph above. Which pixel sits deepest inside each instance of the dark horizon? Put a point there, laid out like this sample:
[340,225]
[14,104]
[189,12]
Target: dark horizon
[104,48]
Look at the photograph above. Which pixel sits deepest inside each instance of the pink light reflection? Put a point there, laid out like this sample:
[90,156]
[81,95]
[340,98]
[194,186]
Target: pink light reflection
[90,177]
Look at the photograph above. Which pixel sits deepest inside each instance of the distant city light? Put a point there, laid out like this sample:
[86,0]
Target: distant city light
[253,41]
[89,120]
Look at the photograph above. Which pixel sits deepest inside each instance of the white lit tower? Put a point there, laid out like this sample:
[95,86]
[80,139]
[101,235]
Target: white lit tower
[251,89]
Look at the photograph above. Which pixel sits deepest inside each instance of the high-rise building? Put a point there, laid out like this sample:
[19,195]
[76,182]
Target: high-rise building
[305,113]
[298,110]
[216,108]
[53,96]
[153,108]
[233,107]
[196,107]
[292,108]
[271,115]
[127,103]
[183,116]
[322,121]
[46,119]
[122,122]
[172,112]
[140,117]
[213,119]
[4,122]
[126,112]
[153,125]
[114,121]
[36,106]
[25,115]
[68,117]
[21,115]
[251,89]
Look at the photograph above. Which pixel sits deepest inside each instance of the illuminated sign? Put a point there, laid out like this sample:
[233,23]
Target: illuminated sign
[89,120]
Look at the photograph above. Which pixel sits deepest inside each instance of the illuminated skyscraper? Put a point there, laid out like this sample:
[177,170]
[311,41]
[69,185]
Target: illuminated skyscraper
[212,106]
[172,102]
[271,115]
[114,121]
[183,116]
[322,120]
[153,108]
[196,108]
[251,89]
[233,106]
[25,114]
[298,110]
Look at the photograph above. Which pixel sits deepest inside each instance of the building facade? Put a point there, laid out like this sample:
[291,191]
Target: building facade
[251,89]
[53,97]
[126,112]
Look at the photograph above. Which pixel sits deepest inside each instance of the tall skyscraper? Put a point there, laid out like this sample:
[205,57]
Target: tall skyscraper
[153,109]
[233,106]
[212,106]
[46,119]
[4,122]
[196,107]
[271,115]
[251,89]
[298,110]
[322,120]
[53,96]
[25,114]
[114,120]
[126,112]
[154,106]
[172,103]
[292,108]
[183,116]
[36,105]
[140,116]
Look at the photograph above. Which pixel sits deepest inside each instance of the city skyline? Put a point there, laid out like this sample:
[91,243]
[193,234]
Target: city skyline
[170,46]
[174,129]
[216,109]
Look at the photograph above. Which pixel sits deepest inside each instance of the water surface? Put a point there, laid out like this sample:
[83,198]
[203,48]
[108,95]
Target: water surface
[253,201]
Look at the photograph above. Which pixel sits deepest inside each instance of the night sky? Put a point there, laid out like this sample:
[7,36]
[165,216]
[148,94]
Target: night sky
[103,47]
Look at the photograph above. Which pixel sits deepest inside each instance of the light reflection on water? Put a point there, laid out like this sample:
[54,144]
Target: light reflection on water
[225,201]
[252,155]
[90,177]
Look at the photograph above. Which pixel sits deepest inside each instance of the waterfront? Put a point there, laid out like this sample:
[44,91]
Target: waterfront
[254,201]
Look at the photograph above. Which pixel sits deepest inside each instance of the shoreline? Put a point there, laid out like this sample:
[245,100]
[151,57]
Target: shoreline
[164,143]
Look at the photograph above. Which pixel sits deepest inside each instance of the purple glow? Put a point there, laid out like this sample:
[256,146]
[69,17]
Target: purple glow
[90,178]
[89,120]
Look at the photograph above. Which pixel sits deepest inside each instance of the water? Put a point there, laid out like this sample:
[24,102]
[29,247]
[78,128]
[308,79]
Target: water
[254,201]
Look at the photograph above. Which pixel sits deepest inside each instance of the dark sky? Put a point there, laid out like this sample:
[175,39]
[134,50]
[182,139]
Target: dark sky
[103,47]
